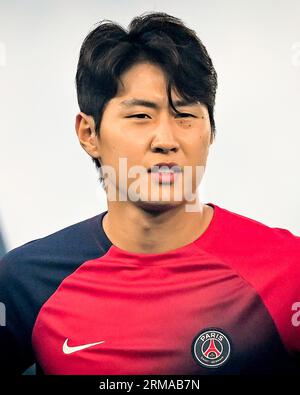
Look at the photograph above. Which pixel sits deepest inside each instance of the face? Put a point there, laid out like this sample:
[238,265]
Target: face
[139,125]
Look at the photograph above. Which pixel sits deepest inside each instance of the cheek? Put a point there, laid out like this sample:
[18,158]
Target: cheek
[198,148]
[114,149]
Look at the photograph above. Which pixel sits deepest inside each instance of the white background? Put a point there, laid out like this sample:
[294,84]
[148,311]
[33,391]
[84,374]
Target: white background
[48,182]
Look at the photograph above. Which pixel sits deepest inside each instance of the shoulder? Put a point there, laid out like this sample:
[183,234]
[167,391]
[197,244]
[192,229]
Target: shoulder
[260,253]
[64,243]
[244,231]
[34,270]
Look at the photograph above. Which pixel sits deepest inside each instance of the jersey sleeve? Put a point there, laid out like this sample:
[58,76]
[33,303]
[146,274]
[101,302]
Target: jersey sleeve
[15,341]
[30,274]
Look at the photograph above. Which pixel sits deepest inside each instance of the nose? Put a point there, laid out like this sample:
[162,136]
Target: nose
[163,140]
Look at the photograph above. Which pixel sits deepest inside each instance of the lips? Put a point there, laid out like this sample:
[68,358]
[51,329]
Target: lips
[165,167]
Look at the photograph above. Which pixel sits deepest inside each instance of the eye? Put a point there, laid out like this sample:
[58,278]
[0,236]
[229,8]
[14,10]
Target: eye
[184,114]
[139,116]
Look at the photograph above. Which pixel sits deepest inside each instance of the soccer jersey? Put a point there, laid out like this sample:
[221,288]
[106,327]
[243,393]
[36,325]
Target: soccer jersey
[224,304]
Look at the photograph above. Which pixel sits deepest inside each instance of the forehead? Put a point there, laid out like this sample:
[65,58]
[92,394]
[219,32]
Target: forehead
[144,80]
[144,84]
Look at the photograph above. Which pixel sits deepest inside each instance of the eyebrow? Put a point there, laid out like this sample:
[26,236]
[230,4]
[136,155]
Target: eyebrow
[150,104]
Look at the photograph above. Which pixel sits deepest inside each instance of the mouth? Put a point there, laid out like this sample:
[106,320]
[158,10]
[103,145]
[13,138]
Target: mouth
[165,173]
[165,168]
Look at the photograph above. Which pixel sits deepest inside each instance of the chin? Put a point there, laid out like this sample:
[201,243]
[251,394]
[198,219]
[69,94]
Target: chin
[157,206]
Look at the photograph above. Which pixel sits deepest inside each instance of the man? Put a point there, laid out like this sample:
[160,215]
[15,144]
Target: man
[160,283]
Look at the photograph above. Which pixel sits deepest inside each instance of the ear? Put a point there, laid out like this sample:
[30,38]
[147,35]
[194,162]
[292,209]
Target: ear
[85,129]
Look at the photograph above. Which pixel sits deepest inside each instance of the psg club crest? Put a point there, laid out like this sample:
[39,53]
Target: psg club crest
[211,348]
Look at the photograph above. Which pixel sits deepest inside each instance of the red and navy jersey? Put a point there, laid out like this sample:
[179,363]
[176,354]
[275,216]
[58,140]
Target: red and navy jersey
[223,304]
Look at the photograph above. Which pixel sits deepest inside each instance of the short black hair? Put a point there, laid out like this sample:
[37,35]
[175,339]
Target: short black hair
[155,37]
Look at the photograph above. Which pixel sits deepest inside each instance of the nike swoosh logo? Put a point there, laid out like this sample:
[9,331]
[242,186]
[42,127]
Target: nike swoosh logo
[69,350]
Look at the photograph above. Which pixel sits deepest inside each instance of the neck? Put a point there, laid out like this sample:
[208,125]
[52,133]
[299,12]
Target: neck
[135,229]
